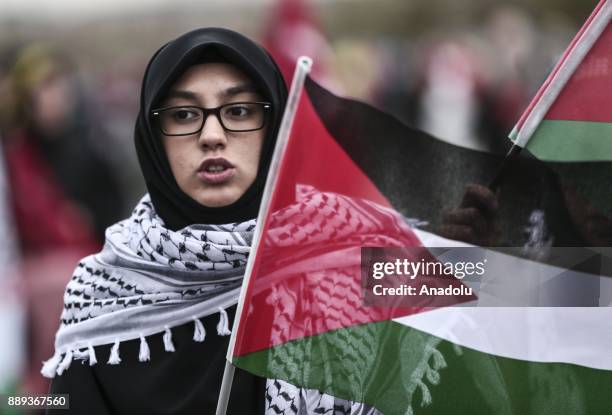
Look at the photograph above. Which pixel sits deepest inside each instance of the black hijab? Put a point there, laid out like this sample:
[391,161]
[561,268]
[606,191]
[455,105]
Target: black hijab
[175,207]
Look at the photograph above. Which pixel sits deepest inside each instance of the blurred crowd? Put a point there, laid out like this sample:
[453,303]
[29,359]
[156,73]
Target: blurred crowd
[67,165]
[60,193]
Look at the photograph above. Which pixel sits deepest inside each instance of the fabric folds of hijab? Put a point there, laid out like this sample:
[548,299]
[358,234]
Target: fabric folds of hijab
[174,206]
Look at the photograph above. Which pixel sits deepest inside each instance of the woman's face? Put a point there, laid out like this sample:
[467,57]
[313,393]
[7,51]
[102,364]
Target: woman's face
[214,166]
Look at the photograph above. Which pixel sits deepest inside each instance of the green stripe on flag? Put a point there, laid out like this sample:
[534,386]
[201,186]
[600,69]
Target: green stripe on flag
[572,141]
[401,370]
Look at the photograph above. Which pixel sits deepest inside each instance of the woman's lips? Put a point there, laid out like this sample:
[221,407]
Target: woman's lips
[216,171]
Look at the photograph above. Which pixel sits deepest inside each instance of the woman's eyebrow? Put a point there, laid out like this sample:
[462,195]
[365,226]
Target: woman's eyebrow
[227,93]
[177,93]
[238,89]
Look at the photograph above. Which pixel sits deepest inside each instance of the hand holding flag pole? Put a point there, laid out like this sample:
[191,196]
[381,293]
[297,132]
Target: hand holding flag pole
[302,68]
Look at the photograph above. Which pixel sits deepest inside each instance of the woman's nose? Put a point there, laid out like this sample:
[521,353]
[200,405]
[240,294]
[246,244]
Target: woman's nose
[212,135]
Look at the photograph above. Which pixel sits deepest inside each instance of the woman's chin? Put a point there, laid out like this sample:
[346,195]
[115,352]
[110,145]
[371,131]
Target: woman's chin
[217,198]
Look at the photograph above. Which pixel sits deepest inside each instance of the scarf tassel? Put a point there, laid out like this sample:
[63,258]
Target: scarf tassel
[50,366]
[223,326]
[58,365]
[199,334]
[114,358]
[425,394]
[65,364]
[144,355]
[168,345]
[92,355]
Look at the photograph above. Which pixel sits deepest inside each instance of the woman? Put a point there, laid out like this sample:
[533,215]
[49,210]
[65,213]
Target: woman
[162,289]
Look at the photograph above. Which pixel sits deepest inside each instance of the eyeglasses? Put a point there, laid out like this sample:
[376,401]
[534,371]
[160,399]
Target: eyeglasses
[234,117]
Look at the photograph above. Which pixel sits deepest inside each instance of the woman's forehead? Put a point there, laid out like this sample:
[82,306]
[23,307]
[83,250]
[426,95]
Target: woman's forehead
[222,80]
[211,74]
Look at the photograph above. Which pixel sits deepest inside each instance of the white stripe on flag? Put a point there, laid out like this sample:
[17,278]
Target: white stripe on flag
[578,335]
[582,336]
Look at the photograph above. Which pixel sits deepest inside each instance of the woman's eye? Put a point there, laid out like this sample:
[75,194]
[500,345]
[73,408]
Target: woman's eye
[238,111]
[184,115]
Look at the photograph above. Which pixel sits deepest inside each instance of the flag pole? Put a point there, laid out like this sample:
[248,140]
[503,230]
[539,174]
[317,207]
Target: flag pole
[513,152]
[302,68]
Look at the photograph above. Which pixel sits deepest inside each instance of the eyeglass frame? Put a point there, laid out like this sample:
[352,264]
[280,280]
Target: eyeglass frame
[217,113]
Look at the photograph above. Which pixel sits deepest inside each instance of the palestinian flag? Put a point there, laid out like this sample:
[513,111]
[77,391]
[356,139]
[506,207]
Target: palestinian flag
[568,125]
[352,176]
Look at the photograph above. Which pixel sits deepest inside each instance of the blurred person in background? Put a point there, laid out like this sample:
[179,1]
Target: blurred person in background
[50,138]
[294,29]
[445,91]
[450,103]
[116,104]
[62,193]
[514,74]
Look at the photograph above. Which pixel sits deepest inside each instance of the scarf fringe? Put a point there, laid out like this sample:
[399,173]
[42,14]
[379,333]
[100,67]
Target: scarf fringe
[92,355]
[425,394]
[428,370]
[223,325]
[114,358]
[456,348]
[65,364]
[50,366]
[59,362]
[168,345]
[144,355]
[199,334]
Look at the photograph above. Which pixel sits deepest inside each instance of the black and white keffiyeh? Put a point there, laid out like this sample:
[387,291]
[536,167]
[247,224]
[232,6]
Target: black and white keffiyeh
[146,280]
[284,398]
